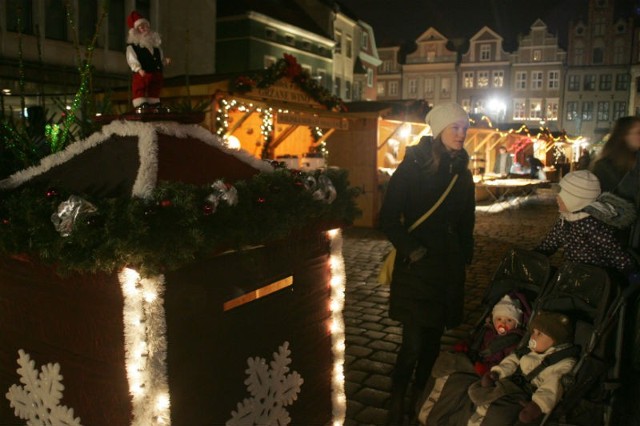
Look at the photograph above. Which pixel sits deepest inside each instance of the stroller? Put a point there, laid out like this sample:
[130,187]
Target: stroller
[588,295]
[522,274]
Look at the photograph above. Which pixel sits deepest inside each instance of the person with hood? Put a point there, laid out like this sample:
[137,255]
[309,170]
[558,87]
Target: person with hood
[427,285]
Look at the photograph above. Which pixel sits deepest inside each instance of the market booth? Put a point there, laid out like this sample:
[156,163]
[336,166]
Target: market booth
[279,113]
[372,147]
[150,275]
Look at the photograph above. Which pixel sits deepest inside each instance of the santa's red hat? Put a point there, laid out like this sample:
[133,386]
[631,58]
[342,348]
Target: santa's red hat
[134,19]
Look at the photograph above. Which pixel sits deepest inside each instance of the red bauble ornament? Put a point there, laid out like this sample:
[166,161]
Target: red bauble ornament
[261,200]
[6,221]
[207,209]
[51,192]
[166,203]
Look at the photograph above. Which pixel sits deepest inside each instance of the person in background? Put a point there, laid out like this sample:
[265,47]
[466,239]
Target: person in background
[618,169]
[427,287]
[146,60]
[391,157]
[536,168]
[584,161]
[503,162]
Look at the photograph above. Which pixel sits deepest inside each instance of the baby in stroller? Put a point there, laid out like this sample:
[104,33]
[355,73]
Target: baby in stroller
[526,384]
[471,358]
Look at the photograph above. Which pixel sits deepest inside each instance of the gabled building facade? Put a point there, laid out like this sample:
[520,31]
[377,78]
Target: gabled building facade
[537,78]
[484,76]
[389,85]
[598,76]
[366,65]
[429,72]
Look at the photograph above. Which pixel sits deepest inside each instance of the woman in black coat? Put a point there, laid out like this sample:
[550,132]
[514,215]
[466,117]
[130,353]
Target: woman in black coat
[427,288]
[618,170]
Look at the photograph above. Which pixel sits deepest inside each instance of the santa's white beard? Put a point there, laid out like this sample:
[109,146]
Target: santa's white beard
[149,40]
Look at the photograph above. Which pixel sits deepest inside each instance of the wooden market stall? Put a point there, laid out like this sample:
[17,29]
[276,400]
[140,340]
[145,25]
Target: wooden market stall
[151,275]
[371,147]
[278,113]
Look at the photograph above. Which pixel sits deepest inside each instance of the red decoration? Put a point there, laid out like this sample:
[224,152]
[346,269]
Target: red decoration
[207,209]
[51,192]
[166,203]
[480,368]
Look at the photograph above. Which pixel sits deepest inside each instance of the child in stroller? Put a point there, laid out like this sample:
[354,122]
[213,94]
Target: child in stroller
[473,357]
[526,384]
[517,281]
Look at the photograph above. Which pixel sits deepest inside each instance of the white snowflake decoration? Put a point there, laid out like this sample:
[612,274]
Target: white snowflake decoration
[38,401]
[271,389]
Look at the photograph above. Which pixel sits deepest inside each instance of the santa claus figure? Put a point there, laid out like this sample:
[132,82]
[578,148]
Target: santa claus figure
[146,60]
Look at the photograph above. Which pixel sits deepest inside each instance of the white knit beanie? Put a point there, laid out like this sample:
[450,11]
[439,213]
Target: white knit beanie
[444,114]
[507,308]
[579,189]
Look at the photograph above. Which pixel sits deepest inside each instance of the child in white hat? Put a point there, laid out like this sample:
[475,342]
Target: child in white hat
[523,387]
[472,358]
[584,238]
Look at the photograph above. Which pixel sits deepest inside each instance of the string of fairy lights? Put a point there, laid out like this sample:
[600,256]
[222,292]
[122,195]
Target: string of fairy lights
[225,107]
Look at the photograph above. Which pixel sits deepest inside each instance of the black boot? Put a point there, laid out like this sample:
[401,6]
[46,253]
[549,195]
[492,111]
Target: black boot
[417,398]
[396,407]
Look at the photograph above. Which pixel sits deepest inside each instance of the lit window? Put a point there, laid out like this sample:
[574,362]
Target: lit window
[552,110]
[498,78]
[535,109]
[572,111]
[467,80]
[483,78]
[537,55]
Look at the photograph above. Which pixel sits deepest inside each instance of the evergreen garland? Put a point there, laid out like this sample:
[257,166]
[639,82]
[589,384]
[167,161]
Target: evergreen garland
[288,66]
[172,228]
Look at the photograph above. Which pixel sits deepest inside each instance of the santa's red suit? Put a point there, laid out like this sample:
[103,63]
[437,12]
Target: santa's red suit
[144,53]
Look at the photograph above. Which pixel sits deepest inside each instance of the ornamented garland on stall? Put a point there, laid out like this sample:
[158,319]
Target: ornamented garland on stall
[288,66]
[176,224]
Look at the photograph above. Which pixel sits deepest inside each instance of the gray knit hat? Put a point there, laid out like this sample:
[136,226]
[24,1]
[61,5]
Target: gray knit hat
[579,189]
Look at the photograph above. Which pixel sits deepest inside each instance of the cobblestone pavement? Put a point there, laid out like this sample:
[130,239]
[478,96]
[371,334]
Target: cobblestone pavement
[372,338]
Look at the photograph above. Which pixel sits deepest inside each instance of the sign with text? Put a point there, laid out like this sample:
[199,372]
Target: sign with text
[313,120]
[287,91]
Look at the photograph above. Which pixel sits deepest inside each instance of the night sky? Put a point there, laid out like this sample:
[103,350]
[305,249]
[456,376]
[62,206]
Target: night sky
[398,21]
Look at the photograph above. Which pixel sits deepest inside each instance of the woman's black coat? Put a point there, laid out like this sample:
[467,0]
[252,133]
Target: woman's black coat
[430,291]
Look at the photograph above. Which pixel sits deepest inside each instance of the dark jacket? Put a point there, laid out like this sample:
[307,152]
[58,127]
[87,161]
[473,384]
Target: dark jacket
[431,290]
[626,185]
[612,179]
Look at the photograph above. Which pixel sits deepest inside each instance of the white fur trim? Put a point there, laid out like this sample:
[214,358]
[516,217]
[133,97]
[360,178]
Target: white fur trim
[147,147]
